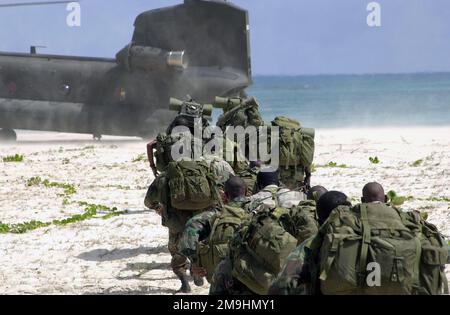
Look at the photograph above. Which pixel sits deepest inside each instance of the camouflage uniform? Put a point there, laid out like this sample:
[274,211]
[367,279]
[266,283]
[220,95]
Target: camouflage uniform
[175,220]
[199,227]
[305,220]
[223,283]
[294,278]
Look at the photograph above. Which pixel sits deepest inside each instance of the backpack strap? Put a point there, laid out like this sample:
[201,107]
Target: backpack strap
[366,239]
[444,282]
[212,183]
[416,279]
[220,219]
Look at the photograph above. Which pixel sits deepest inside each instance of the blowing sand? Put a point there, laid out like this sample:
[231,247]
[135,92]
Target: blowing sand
[127,254]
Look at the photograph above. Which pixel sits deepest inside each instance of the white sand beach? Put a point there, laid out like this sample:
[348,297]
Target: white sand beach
[127,253]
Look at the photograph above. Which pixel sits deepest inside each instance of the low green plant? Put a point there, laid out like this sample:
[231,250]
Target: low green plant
[334,164]
[13,158]
[438,199]
[139,158]
[90,211]
[69,189]
[374,160]
[417,163]
[394,199]
[34,181]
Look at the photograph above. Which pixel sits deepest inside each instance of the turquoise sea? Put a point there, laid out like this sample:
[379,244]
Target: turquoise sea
[334,101]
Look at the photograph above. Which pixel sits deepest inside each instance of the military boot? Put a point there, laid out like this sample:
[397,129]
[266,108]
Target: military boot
[185,287]
[198,281]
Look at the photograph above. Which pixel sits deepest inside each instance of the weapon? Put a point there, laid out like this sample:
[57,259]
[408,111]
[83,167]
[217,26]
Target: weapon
[228,104]
[191,108]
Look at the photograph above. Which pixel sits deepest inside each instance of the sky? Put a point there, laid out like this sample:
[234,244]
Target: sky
[288,37]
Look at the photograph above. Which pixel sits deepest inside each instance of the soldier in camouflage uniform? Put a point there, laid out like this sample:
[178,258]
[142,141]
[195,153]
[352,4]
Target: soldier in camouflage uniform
[199,227]
[175,220]
[295,277]
[223,282]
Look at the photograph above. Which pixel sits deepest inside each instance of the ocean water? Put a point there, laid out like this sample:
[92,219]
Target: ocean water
[335,101]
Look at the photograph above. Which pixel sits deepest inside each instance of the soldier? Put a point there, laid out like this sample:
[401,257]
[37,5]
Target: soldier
[239,112]
[198,229]
[296,152]
[175,220]
[158,198]
[373,193]
[295,277]
[275,206]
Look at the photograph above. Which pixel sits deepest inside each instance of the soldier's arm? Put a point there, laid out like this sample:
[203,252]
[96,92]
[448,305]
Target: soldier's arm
[196,228]
[288,281]
[151,160]
[222,279]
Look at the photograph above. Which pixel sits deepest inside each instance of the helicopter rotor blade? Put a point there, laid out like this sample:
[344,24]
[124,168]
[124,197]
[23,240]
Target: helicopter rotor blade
[26,4]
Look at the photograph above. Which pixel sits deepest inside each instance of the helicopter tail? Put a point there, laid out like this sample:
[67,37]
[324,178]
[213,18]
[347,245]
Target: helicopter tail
[212,33]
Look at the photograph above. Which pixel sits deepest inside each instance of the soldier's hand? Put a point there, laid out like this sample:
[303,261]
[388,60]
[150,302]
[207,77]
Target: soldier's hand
[159,209]
[198,271]
[154,170]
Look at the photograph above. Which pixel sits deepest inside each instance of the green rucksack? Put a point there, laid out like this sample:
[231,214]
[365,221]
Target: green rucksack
[216,246]
[260,248]
[355,243]
[304,219]
[192,185]
[239,112]
[296,143]
[249,176]
[434,256]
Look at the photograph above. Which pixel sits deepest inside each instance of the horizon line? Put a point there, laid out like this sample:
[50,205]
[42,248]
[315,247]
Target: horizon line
[351,74]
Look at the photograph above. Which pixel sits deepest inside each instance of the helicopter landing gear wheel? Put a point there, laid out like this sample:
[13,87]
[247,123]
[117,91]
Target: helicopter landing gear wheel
[8,135]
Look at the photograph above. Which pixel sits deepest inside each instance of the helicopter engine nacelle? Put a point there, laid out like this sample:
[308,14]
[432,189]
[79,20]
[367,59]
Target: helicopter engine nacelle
[150,58]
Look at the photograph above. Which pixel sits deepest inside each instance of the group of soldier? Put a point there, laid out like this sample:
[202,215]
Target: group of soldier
[268,232]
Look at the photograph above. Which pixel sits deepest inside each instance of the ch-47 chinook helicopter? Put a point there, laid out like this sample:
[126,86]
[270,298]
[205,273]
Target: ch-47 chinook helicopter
[199,47]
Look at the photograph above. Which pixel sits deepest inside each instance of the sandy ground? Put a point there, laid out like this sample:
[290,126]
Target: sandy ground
[127,254]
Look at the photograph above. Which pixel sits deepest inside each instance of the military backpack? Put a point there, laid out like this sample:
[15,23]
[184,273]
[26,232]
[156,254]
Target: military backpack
[192,185]
[242,113]
[216,247]
[296,143]
[260,248]
[373,249]
[304,219]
